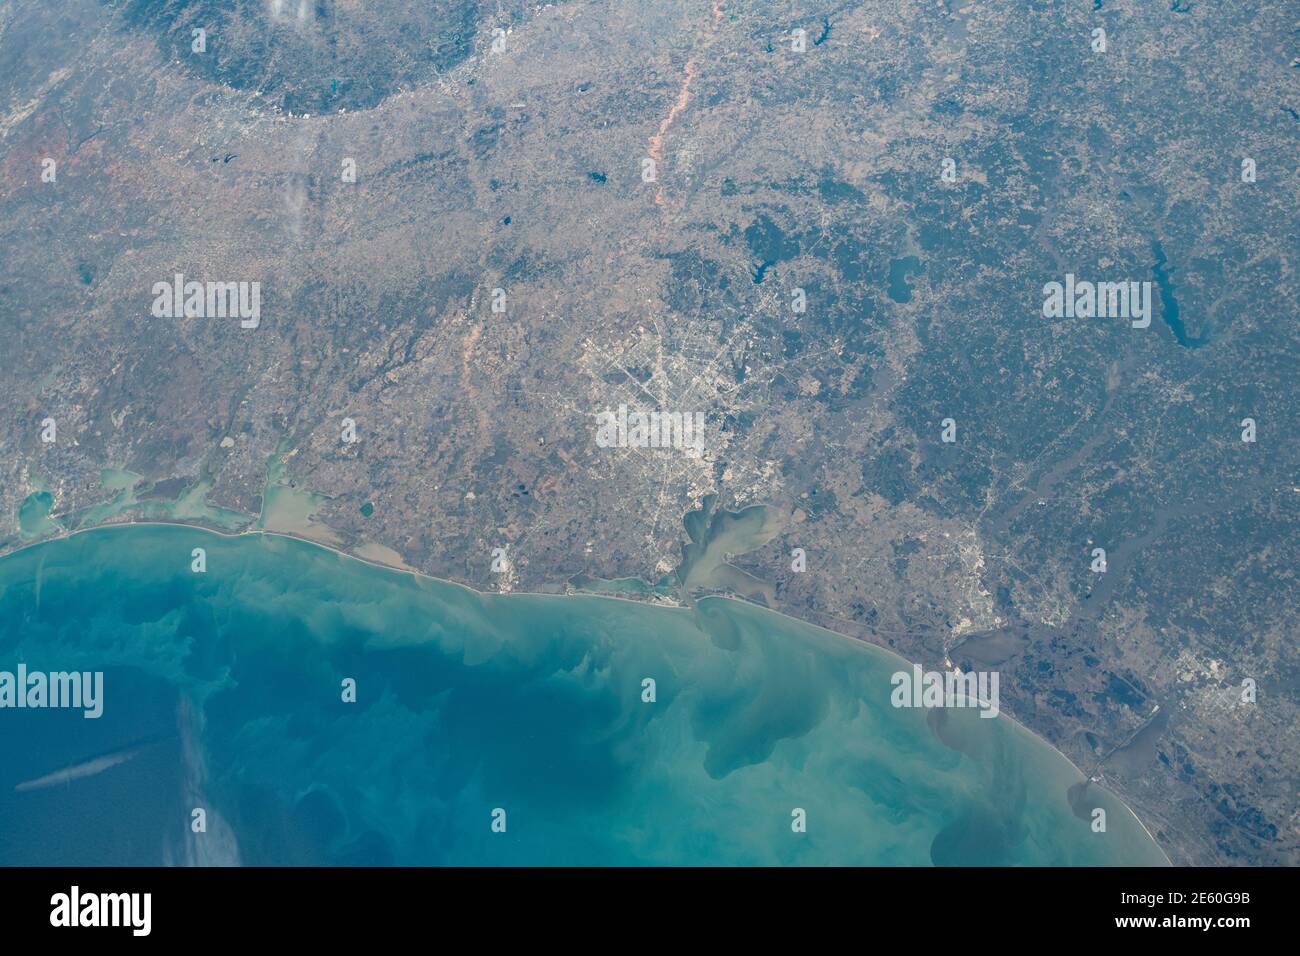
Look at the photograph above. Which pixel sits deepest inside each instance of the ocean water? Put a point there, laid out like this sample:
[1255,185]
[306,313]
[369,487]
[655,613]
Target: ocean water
[223,691]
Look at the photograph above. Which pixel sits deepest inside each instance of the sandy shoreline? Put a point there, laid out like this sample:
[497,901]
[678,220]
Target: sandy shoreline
[865,646]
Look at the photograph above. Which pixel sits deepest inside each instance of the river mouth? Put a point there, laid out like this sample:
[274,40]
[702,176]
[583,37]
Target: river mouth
[467,704]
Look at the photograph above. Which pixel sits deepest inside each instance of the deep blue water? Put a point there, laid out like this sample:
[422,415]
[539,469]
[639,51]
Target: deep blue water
[1169,308]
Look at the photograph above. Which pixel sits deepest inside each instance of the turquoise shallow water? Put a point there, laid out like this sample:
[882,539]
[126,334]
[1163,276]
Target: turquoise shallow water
[223,691]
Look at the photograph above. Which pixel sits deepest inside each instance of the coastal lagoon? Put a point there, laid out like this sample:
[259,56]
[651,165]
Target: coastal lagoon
[224,691]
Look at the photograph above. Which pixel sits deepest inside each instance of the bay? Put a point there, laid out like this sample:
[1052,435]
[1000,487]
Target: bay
[224,692]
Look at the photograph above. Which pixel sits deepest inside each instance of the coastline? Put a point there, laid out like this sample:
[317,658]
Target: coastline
[862,645]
